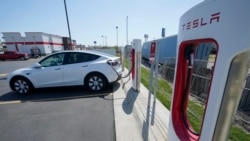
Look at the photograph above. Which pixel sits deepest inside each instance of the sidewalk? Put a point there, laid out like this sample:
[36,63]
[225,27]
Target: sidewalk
[137,116]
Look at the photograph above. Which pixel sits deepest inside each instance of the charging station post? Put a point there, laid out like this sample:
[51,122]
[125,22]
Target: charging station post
[136,64]
[122,57]
[154,61]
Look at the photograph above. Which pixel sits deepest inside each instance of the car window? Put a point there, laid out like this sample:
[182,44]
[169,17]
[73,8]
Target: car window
[80,58]
[93,57]
[54,60]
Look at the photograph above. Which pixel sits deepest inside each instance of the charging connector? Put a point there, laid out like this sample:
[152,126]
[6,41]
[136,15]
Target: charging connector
[189,55]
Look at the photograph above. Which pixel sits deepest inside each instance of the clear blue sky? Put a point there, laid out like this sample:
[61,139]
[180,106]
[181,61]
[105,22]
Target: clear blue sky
[90,19]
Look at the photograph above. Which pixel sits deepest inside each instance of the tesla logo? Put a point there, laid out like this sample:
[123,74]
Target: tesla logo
[152,49]
[201,22]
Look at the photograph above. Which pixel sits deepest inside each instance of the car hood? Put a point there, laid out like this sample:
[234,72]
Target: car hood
[23,72]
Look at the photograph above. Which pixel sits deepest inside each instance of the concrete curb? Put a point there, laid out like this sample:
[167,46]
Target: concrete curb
[137,116]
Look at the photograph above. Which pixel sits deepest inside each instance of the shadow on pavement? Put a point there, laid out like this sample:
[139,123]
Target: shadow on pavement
[3,78]
[58,93]
[129,101]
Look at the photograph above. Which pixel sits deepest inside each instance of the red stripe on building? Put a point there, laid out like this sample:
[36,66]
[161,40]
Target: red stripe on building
[33,43]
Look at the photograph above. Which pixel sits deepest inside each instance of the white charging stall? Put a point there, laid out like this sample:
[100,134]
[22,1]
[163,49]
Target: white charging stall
[136,64]
[122,57]
[225,26]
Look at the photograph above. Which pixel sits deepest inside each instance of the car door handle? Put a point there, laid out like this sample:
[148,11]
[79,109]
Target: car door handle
[85,66]
[57,68]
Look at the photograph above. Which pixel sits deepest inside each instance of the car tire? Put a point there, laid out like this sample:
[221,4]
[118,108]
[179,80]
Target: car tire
[21,85]
[96,82]
[22,58]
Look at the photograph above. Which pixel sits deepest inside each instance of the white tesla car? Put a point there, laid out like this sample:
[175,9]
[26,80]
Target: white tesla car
[68,68]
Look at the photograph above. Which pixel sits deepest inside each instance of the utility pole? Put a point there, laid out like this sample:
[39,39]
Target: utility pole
[102,41]
[127,29]
[70,45]
[117,36]
[106,41]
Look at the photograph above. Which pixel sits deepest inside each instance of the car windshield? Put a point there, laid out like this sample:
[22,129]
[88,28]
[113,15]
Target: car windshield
[54,60]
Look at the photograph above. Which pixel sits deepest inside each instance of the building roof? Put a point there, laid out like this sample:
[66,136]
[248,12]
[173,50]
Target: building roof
[31,32]
[44,33]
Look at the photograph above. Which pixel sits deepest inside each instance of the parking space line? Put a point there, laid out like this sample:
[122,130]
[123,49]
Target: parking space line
[3,74]
[10,102]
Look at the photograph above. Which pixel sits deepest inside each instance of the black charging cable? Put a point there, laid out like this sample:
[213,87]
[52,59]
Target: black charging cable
[189,56]
[126,74]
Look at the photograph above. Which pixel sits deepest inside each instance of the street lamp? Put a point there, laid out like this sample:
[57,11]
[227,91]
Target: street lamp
[146,37]
[102,41]
[117,36]
[95,43]
[106,41]
[127,29]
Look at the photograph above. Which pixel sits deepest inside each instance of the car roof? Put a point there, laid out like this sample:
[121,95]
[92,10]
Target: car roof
[91,52]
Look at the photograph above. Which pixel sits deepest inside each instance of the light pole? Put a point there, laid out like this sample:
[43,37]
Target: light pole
[68,24]
[106,41]
[117,36]
[146,37]
[102,41]
[95,44]
[127,29]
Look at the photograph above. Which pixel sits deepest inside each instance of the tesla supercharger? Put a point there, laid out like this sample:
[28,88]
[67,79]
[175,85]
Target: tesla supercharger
[136,64]
[223,25]
[154,61]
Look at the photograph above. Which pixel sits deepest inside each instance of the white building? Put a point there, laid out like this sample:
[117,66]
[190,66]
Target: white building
[47,43]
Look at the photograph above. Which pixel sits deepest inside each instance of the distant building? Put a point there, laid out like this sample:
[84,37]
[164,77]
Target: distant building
[67,45]
[46,43]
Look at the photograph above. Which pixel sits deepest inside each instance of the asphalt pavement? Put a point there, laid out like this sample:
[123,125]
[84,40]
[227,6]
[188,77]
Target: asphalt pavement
[74,113]
[55,114]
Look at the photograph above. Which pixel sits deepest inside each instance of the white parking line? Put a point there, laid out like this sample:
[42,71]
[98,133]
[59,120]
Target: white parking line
[3,74]
[10,102]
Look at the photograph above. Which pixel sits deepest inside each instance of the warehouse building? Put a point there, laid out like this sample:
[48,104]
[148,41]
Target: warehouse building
[44,43]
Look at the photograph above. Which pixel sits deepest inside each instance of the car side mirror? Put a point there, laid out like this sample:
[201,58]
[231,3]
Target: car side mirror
[37,65]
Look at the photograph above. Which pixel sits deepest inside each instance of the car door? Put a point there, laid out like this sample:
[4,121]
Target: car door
[77,67]
[8,55]
[50,74]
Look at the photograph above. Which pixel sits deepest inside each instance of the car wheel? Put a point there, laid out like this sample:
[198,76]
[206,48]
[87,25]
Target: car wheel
[96,82]
[21,85]
[22,58]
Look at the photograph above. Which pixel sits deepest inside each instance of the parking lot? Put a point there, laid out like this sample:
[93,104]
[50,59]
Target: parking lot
[58,114]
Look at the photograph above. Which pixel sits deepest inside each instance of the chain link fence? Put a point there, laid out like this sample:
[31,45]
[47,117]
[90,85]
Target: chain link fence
[201,79]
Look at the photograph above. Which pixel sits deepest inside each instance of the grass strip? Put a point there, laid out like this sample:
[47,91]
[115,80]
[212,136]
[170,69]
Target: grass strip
[164,92]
